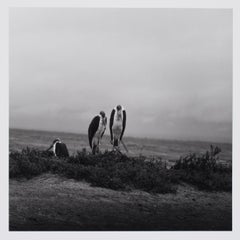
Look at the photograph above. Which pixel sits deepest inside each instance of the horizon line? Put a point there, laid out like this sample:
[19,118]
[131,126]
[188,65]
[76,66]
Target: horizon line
[151,138]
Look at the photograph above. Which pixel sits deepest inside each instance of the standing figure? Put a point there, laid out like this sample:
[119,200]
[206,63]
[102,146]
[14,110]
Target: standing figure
[96,130]
[117,125]
[59,148]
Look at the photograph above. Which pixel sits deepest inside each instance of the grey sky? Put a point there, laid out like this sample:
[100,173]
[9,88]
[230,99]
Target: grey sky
[170,68]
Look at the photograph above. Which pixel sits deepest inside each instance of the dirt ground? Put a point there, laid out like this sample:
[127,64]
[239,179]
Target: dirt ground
[52,203]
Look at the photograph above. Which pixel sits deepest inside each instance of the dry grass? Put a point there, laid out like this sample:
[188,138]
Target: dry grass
[109,170]
[52,203]
[120,172]
[204,171]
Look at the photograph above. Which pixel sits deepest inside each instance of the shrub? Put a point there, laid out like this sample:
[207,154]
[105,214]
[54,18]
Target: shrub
[109,170]
[204,171]
[116,171]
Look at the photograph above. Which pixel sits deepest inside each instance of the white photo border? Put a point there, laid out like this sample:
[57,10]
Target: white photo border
[4,126]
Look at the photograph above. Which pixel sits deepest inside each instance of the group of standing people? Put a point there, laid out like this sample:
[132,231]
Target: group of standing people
[96,131]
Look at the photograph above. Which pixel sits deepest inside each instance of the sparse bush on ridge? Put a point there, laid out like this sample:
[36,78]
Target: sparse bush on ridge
[120,172]
[204,172]
[107,170]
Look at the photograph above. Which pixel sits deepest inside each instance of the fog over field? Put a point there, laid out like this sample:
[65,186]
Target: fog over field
[170,68]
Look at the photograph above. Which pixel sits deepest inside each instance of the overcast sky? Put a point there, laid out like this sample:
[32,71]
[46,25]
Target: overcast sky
[170,68]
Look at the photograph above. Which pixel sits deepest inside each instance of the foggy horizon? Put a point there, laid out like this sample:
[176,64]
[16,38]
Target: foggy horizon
[107,134]
[170,68]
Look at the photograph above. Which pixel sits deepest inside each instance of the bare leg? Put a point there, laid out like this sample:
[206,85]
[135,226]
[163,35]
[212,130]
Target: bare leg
[94,149]
[97,149]
[115,146]
[95,144]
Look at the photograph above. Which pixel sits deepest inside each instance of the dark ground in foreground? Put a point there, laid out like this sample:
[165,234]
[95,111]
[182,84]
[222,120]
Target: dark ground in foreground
[52,203]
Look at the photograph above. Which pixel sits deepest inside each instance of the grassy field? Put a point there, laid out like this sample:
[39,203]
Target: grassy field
[50,202]
[167,150]
[145,190]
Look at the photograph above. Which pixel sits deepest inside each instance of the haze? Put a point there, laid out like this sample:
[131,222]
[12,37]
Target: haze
[170,68]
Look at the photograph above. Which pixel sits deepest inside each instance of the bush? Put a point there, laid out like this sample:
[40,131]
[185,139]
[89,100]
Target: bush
[116,171]
[109,170]
[28,163]
[204,171]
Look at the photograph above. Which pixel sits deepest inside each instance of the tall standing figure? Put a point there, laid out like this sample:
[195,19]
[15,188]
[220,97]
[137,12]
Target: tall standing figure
[117,125]
[96,130]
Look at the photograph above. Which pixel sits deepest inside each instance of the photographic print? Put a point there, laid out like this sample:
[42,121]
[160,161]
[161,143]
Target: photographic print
[120,119]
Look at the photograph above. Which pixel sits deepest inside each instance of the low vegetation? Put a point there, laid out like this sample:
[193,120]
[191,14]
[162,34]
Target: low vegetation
[109,170]
[120,172]
[204,171]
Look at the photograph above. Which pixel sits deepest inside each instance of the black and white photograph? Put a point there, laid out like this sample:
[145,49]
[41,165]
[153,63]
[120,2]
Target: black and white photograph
[120,119]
